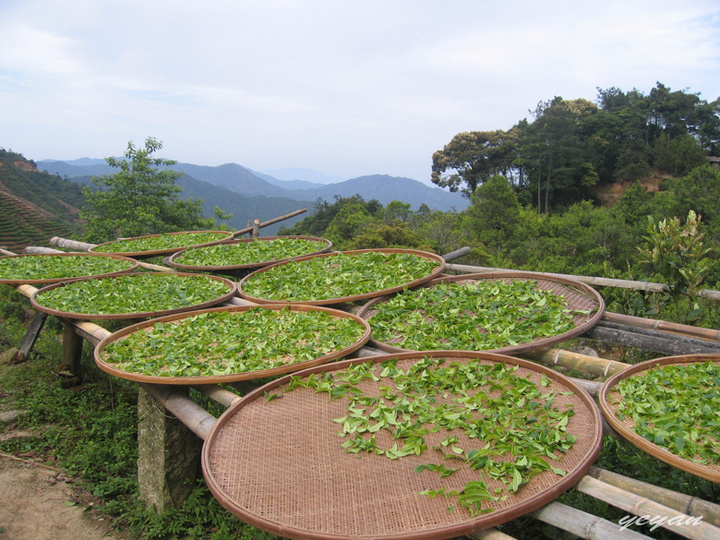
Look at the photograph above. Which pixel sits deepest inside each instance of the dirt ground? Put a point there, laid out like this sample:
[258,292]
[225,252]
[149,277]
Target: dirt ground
[40,503]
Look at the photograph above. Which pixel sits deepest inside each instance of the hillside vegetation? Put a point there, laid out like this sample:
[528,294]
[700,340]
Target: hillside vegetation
[35,206]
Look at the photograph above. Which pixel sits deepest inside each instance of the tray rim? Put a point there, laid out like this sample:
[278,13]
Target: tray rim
[651,448]
[465,527]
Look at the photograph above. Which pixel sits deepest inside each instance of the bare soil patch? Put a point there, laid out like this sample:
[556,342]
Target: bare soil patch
[40,503]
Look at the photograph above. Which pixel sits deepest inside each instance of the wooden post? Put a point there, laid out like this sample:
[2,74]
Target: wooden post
[31,336]
[256,228]
[168,455]
[70,368]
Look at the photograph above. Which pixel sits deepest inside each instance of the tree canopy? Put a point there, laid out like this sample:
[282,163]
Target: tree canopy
[141,198]
[571,146]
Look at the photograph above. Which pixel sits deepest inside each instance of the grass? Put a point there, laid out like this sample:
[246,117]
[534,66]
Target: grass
[91,433]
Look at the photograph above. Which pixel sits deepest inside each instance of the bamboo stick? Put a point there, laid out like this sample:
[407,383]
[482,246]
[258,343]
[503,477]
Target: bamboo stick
[651,340]
[70,244]
[590,280]
[41,250]
[217,393]
[583,524]
[490,534]
[269,222]
[681,502]
[197,419]
[649,511]
[6,252]
[456,254]
[601,367]
[654,324]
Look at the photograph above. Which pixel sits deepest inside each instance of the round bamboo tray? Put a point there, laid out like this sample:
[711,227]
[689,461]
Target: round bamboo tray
[239,311]
[173,260]
[578,296]
[130,263]
[609,399]
[329,275]
[278,464]
[223,236]
[231,289]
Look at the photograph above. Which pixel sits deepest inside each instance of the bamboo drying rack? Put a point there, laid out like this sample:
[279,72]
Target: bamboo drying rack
[632,496]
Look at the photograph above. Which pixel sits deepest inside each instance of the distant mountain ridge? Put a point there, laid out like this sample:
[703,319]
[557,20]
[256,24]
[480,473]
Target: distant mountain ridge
[244,181]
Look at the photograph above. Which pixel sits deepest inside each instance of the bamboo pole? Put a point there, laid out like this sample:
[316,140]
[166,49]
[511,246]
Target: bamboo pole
[35,250]
[269,222]
[197,419]
[648,511]
[590,280]
[651,340]
[665,326]
[583,524]
[693,506]
[226,398]
[601,367]
[490,534]
[70,244]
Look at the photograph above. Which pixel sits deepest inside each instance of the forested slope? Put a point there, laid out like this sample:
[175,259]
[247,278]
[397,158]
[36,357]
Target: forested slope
[34,206]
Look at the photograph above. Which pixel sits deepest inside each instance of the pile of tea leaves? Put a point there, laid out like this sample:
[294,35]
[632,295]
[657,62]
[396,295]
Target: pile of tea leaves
[485,416]
[338,275]
[675,407]
[141,292]
[217,343]
[249,252]
[66,266]
[161,242]
[474,315]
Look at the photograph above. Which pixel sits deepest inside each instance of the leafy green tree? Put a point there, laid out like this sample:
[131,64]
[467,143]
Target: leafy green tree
[350,221]
[383,235]
[141,198]
[396,210]
[677,254]
[495,212]
[473,157]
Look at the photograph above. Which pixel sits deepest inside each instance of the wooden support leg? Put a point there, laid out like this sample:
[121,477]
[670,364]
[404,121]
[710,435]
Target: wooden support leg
[31,336]
[169,455]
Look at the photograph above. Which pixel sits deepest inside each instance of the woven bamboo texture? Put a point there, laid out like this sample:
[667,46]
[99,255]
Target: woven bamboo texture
[577,296]
[101,360]
[36,299]
[226,235]
[350,298]
[173,260]
[609,399]
[279,464]
[132,265]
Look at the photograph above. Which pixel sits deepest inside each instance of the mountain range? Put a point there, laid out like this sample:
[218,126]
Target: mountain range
[249,194]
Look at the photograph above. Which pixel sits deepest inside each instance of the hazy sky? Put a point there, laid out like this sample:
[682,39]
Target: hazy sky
[345,88]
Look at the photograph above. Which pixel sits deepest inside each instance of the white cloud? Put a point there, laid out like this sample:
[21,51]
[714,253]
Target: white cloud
[343,88]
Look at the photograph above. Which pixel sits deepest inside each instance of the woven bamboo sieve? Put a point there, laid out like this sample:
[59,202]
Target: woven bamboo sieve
[279,464]
[577,295]
[610,396]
